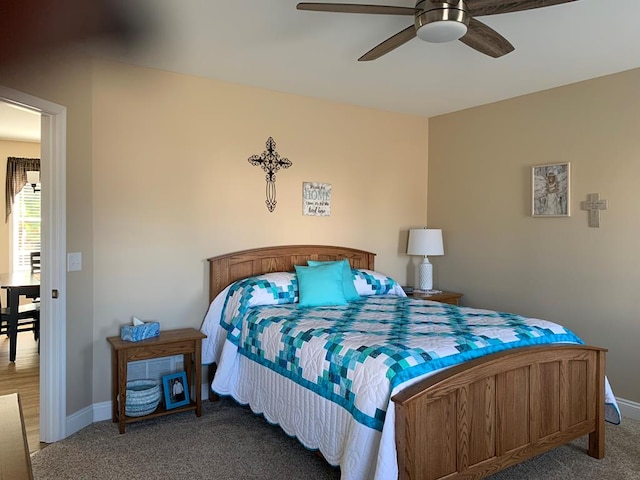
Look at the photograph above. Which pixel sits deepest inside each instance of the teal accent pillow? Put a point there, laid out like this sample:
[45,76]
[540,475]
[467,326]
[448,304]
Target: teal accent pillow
[350,292]
[320,285]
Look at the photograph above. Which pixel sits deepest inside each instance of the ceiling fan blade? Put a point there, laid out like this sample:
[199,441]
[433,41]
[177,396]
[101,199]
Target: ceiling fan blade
[486,40]
[493,7]
[356,8]
[389,44]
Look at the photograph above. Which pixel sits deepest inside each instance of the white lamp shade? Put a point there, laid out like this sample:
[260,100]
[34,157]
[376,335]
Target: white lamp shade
[33,177]
[425,241]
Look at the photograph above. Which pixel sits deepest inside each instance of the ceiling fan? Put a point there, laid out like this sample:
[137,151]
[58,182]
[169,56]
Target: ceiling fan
[441,21]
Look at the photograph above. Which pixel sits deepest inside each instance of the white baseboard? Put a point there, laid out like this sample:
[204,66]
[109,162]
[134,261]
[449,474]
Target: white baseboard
[85,417]
[205,391]
[102,411]
[628,408]
[78,420]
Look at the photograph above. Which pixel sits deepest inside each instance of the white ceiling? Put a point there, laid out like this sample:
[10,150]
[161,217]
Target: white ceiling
[270,44]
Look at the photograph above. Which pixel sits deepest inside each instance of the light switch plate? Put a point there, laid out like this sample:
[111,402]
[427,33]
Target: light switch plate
[74,262]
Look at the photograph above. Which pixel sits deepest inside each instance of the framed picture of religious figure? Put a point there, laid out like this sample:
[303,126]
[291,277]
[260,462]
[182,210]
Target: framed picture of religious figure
[551,190]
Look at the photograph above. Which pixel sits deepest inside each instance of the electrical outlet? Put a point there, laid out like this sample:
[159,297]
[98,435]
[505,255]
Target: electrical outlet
[74,262]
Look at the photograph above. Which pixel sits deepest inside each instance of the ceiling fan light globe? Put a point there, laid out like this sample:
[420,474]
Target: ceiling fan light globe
[442,31]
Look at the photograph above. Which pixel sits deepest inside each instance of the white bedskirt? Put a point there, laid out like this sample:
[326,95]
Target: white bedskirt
[318,423]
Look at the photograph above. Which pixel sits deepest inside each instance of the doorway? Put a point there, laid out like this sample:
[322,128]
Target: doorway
[19,235]
[53,268]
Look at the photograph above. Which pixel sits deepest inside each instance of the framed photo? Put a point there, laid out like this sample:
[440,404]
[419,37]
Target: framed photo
[550,190]
[176,390]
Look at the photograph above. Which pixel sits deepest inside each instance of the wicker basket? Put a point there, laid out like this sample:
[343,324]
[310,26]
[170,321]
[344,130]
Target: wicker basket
[143,397]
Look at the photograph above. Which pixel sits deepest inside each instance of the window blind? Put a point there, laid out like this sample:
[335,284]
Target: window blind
[26,227]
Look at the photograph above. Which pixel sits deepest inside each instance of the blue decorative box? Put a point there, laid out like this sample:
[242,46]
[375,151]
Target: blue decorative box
[139,330]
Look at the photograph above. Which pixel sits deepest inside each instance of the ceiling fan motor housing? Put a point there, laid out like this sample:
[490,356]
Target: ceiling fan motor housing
[440,22]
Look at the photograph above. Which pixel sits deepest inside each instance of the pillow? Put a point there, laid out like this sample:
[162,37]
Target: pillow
[368,282]
[350,292]
[320,285]
[267,289]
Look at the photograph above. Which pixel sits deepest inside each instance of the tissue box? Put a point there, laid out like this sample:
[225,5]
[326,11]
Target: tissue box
[135,333]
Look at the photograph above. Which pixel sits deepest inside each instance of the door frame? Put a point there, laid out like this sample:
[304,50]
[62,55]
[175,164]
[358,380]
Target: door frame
[53,328]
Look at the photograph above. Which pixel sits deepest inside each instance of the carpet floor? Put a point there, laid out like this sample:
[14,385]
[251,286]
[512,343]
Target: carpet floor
[229,442]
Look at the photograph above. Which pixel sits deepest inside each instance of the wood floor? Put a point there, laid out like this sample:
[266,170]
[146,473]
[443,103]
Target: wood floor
[23,377]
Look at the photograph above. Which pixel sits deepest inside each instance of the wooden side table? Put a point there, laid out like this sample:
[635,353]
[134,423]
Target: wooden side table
[451,298]
[15,462]
[185,341]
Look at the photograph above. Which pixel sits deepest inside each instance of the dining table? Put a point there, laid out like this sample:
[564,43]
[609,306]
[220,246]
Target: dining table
[17,284]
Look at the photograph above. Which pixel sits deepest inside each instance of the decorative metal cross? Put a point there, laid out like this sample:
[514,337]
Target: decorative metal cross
[270,162]
[594,205]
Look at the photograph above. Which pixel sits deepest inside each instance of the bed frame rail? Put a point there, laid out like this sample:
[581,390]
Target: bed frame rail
[478,418]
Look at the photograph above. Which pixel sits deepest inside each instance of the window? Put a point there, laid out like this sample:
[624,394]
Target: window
[26,227]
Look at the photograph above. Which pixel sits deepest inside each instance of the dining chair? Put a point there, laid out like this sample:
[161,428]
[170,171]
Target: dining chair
[35,262]
[35,268]
[28,321]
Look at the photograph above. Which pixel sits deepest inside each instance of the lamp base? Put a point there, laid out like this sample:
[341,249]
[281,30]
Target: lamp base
[426,275]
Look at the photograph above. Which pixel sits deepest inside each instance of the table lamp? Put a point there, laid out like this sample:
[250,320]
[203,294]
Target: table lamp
[425,241]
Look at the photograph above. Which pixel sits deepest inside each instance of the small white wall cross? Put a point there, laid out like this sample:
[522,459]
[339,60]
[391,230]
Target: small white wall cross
[593,205]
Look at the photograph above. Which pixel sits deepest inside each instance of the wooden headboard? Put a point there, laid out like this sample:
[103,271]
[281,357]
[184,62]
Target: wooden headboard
[226,269]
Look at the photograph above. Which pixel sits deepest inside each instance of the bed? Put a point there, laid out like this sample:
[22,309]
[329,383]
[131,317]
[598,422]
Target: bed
[463,420]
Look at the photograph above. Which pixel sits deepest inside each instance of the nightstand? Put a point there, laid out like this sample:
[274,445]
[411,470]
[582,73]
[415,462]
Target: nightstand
[443,297]
[185,341]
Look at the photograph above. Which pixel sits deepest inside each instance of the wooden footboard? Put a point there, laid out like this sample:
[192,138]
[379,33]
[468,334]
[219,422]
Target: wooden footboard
[475,419]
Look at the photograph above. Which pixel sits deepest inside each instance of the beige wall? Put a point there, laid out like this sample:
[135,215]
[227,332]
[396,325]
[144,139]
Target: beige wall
[66,80]
[555,268]
[158,181]
[10,148]
[172,186]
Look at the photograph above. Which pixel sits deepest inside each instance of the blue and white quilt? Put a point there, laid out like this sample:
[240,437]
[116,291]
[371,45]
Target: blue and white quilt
[350,359]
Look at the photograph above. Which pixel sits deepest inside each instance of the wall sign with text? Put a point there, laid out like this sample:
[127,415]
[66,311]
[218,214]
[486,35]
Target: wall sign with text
[316,199]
